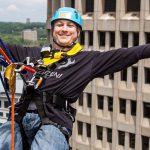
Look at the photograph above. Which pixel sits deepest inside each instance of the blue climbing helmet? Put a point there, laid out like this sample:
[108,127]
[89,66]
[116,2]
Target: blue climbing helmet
[67,13]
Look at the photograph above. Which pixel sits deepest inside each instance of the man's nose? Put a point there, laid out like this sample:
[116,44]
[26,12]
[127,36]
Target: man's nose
[64,27]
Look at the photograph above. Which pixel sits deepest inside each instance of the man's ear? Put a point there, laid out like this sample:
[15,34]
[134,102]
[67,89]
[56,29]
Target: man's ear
[78,31]
[52,29]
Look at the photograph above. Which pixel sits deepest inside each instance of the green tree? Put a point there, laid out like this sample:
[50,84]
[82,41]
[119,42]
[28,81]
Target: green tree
[10,32]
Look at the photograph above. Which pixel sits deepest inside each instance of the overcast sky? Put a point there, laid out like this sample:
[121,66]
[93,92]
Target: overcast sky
[20,10]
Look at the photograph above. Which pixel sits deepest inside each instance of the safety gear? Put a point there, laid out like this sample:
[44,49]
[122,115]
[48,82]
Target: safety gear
[10,77]
[60,103]
[50,57]
[67,13]
[3,61]
[46,51]
[40,98]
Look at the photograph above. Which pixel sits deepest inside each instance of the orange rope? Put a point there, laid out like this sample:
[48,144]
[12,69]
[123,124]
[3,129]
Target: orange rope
[12,106]
[12,122]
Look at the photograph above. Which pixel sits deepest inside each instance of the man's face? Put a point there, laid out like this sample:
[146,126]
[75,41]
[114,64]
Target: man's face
[65,32]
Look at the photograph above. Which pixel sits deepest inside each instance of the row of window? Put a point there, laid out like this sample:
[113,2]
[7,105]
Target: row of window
[122,104]
[102,38]
[134,75]
[121,135]
[6,104]
[2,114]
[107,5]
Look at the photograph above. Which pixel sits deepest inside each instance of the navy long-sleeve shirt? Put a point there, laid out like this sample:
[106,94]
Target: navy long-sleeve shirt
[71,76]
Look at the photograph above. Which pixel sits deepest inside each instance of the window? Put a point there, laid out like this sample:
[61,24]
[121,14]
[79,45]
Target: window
[89,100]
[100,101]
[111,76]
[102,39]
[134,74]
[70,3]
[89,6]
[147,37]
[147,75]
[73,3]
[7,115]
[133,107]
[1,114]
[82,38]
[110,103]
[121,138]
[145,143]
[124,75]
[146,109]
[124,39]
[70,148]
[90,38]
[135,39]
[122,106]
[112,39]
[109,135]
[109,5]
[80,127]
[99,132]
[88,130]
[6,104]
[133,5]
[132,140]
[81,99]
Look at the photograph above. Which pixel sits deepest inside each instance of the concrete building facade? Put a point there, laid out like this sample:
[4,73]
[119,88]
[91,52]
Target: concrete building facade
[113,113]
[114,110]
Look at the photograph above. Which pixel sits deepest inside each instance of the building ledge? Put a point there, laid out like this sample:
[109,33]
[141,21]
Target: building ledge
[108,16]
[148,17]
[131,16]
[88,15]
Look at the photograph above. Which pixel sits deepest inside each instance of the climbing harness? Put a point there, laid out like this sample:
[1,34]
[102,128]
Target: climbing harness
[37,68]
[52,56]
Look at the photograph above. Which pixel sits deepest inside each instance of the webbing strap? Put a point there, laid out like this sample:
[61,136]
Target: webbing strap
[18,119]
[40,106]
[23,109]
[25,143]
[59,55]
[63,103]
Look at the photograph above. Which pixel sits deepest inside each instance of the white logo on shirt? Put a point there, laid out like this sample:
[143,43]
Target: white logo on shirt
[49,74]
[67,63]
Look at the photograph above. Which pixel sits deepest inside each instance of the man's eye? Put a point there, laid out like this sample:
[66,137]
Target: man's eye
[59,25]
[70,25]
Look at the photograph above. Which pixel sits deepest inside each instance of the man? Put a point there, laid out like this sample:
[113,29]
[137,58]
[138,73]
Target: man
[44,116]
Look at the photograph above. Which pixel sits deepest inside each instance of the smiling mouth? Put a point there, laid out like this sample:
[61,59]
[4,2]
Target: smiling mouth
[64,36]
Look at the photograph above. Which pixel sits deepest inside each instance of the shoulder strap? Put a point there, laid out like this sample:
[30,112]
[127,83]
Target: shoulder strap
[40,102]
[59,55]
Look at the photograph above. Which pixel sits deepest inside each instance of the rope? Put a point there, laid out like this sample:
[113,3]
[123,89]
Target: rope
[10,73]
[13,122]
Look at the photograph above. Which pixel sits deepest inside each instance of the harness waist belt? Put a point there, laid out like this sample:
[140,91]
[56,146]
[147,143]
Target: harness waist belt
[63,103]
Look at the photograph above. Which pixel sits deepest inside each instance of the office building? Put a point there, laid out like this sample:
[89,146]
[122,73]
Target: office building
[30,35]
[113,113]
[114,110]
